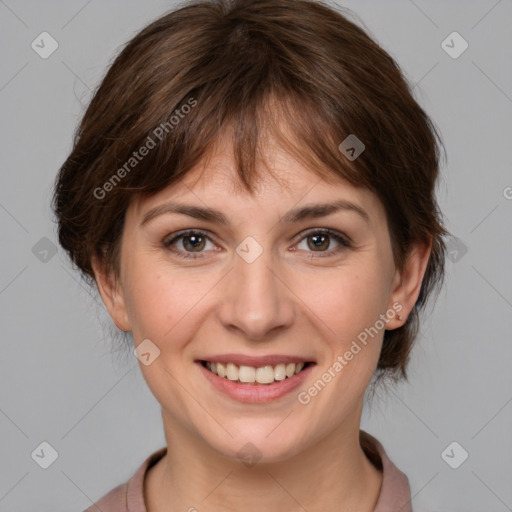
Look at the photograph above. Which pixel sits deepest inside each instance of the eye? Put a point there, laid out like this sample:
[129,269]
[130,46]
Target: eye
[191,241]
[318,240]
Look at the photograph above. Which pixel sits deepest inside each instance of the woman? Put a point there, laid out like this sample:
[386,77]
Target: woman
[252,192]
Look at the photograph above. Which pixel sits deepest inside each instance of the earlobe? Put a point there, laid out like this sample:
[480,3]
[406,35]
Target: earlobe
[407,284]
[112,294]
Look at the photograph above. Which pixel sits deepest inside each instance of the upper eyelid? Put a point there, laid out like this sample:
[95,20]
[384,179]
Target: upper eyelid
[180,234]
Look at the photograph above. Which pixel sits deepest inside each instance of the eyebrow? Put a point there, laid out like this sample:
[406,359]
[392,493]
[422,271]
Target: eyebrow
[209,214]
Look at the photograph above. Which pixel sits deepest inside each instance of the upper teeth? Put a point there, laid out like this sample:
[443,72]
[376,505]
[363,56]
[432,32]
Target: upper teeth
[249,374]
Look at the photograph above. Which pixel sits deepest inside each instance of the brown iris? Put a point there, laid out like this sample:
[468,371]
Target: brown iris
[319,241]
[196,241]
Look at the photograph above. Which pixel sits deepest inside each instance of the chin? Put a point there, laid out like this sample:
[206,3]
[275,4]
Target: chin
[255,446]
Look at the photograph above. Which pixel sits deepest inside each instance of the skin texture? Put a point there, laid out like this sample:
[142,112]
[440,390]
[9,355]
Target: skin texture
[309,302]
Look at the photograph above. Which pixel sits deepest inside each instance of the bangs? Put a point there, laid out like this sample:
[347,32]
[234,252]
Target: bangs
[256,115]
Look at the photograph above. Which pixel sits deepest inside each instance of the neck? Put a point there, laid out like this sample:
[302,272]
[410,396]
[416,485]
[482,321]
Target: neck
[331,472]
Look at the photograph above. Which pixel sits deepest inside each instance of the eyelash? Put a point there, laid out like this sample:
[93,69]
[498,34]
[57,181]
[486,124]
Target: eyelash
[343,241]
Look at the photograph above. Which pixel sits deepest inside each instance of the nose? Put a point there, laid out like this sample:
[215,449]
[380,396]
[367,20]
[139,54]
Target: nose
[257,300]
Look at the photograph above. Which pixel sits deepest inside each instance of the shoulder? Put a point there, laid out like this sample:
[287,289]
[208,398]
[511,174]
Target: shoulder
[128,496]
[395,493]
[113,501]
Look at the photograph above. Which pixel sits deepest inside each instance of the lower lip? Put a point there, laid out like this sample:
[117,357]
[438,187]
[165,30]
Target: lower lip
[256,393]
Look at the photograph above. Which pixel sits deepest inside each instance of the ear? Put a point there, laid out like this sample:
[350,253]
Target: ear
[406,285]
[112,294]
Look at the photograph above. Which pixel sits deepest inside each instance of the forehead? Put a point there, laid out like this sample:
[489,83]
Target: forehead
[280,183]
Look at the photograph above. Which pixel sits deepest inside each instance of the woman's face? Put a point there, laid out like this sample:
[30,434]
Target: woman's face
[265,287]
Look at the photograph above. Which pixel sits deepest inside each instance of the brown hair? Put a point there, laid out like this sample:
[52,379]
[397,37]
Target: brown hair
[246,69]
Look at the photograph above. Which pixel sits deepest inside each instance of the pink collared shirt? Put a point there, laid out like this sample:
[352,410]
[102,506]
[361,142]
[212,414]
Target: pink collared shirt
[395,494]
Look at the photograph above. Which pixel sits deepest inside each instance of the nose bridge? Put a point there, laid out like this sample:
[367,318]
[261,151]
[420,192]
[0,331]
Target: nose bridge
[257,301]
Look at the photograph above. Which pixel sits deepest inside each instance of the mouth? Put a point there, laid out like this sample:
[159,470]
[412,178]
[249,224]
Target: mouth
[256,376]
[255,379]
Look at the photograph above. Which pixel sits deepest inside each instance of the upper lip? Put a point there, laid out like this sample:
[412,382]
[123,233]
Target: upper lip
[256,361]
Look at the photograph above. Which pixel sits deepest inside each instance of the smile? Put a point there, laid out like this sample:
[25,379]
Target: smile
[270,378]
[244,374]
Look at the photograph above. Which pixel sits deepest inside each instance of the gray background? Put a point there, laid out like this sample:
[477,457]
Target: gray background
[59,382]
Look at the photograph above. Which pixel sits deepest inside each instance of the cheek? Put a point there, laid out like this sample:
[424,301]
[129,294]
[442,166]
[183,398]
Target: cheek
[348,300]
[161,303]
[349,308]
[153,303]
